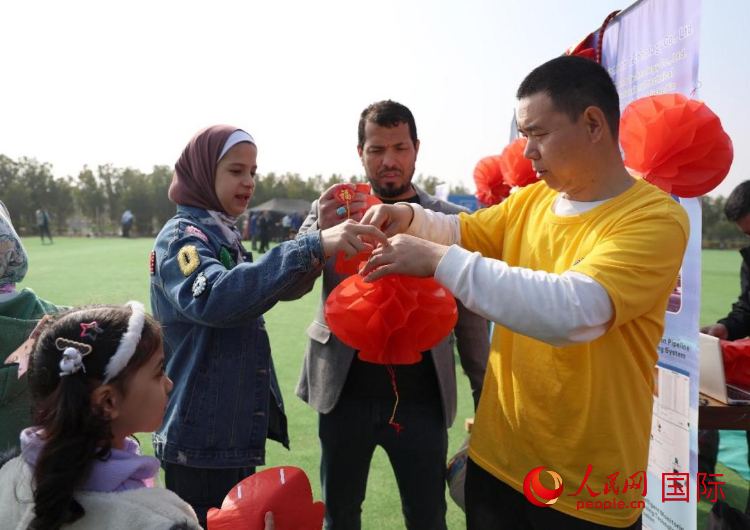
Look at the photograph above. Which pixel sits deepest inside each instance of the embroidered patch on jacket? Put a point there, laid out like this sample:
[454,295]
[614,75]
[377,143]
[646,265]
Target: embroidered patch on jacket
[199,285]
[226,258]
[188,259]
[152,263]
[193,231]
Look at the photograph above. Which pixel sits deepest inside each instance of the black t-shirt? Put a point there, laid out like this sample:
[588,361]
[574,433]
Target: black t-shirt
[416,382]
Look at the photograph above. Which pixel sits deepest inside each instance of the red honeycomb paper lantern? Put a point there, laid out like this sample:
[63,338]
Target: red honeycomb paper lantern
[392,320]
[491,188]
[517,170]
[676,143]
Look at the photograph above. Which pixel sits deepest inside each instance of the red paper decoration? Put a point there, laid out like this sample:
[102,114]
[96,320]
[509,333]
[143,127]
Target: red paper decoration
[517,170]
[676,143]
[491,188]
[285,491]
[351,265]
[392,320]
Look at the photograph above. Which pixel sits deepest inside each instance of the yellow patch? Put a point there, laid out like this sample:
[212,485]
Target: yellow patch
[188,259]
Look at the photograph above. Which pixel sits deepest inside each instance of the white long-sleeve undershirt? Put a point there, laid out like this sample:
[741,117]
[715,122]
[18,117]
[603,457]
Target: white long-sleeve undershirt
[559,309]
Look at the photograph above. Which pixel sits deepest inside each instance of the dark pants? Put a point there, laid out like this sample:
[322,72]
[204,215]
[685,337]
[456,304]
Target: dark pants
[263,243]
[493,505]
[44,231]
[203,488]
[348,437]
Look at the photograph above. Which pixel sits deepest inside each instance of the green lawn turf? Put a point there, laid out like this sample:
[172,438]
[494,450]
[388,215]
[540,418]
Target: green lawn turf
[83,271]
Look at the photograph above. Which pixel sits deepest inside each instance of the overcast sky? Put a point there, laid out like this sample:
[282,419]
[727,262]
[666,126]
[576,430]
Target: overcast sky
[128,83]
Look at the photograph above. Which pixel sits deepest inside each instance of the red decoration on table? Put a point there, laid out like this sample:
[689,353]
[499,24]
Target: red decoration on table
[491,188]
[676,143]
[352,265]
[517,170]
[392,320]
[285,491]
[736,354]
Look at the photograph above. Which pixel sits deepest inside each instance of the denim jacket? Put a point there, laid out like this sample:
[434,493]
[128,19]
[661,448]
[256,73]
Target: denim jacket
[226,399]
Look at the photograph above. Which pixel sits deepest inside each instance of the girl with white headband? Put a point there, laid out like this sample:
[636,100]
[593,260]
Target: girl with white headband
[209,296]
[96,376]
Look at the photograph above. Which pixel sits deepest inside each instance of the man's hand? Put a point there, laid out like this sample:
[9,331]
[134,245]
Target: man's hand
[392,219]
[405,254]
[329,206]
[268,520]
[350,238]
[716,330]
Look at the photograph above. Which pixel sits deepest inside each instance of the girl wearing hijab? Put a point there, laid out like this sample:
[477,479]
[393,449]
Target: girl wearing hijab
[20,312]
[209,297]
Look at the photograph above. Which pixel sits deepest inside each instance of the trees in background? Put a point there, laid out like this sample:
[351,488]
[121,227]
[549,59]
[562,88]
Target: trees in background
[92,202]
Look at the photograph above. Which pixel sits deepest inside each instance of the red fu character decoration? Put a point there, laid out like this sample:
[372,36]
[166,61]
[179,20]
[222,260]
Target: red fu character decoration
[345,195]
[676,143]
[491,188]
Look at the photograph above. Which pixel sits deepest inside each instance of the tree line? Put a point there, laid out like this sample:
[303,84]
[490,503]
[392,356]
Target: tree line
[92,202]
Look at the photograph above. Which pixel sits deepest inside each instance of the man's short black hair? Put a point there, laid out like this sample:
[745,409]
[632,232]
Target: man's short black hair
[386,114]
[574,84]
[738,203]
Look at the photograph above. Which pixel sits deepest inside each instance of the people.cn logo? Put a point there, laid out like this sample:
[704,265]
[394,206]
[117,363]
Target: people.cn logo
[533,489]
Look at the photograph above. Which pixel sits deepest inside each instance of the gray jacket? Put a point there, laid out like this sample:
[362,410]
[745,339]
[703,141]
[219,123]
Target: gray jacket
[327,360]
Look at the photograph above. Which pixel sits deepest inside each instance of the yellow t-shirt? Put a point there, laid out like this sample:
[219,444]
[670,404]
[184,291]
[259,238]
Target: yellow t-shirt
[587,404]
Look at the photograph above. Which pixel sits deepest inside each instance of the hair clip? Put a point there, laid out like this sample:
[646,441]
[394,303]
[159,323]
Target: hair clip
[90,330]
[72,357]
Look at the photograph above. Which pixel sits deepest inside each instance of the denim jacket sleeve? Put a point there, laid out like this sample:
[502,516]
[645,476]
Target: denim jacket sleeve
[232,296]
[306,283]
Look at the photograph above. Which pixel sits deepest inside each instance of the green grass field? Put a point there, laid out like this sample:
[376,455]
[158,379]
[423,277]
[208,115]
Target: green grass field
[85,271]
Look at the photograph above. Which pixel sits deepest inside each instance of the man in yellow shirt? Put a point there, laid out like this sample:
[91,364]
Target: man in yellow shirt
[577,271]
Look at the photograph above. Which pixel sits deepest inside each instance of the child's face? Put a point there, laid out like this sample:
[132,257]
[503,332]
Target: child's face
[235,178]
[143,407]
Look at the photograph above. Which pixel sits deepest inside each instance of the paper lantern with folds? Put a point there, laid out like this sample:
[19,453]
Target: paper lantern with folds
[676,143]
[351,265]
[491,188]
[517,170]
[285,491]
[392,320]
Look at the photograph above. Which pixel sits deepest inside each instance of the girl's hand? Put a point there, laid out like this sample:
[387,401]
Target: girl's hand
[329,215]
[350,238]
[392,219]
[268,520]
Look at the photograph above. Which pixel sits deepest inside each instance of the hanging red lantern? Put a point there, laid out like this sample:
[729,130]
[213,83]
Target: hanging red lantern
[517,170]
[392,320]
[351,265]
[676,143]
[491,188]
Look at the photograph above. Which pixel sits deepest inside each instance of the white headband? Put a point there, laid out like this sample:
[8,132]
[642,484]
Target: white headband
[128,342]
[235,138]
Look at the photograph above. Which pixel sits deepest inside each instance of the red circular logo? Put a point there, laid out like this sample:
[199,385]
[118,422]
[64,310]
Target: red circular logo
[533,489]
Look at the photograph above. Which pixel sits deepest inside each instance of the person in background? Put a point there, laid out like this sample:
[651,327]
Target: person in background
[126,221]
[736,325]
[355,398]
[43,224]
[20,312]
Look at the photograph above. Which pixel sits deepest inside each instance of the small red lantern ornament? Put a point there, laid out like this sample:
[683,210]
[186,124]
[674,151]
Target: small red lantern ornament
[676,143]
[491,188]
[392,320]
[517,170]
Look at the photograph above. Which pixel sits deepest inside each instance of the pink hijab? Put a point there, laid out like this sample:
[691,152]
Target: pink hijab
[193,183]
